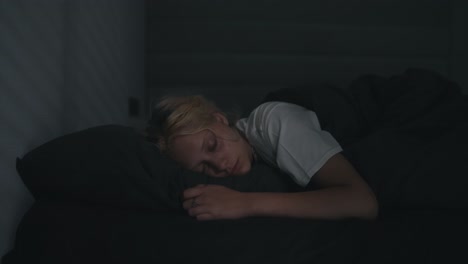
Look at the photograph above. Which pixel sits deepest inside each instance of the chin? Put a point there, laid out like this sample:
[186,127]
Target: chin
[244,170]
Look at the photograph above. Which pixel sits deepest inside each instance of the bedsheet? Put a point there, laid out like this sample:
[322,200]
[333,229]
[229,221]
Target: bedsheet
[106,195]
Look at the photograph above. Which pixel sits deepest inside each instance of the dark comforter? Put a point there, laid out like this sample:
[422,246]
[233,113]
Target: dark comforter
[104,195]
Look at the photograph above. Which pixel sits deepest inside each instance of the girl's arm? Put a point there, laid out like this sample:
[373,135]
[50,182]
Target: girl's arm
[342,193]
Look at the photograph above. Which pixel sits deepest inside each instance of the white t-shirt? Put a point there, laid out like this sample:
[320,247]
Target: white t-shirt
[289,137]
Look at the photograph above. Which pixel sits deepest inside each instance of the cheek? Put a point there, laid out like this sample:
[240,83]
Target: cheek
[237,150]
[245,157]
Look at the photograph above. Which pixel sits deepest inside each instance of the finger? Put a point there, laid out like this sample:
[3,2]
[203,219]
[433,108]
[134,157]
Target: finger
[198,210]
[192,192]
[205,217]
[187,204]
[192,203]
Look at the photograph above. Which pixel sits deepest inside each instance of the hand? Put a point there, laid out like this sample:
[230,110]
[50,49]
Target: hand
[210,202]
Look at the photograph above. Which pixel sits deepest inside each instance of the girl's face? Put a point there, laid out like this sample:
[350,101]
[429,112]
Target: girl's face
[218,151]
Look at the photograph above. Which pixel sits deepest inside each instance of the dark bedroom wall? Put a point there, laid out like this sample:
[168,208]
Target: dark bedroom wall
[65,65]
[31,83]
[104,46]
[239,50]
[459,45]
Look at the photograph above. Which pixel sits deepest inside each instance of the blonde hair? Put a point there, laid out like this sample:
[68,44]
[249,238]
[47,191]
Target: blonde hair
[179,115]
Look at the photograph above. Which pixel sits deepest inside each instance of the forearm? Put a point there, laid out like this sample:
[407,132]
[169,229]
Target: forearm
[329,203]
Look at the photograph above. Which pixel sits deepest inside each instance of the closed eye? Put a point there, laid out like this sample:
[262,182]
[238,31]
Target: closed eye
[210,146]
[212,142]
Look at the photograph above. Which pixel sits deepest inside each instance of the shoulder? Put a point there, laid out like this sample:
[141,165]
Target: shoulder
[272,119]
[277,108]
[264,123]
[275,111]
[273,115]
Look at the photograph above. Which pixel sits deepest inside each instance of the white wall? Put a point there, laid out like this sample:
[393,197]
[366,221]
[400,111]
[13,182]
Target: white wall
[65,65]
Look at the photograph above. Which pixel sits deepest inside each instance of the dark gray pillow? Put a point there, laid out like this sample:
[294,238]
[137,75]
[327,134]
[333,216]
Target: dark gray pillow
[77,176]
[115,165]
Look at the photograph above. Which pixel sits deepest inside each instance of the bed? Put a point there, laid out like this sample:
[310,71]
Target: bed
[107,195]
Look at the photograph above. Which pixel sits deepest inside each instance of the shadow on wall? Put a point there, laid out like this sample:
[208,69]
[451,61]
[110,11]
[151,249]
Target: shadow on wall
[65,66]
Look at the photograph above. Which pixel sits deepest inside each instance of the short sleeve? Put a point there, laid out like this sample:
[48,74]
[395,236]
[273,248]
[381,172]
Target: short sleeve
[290,136]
